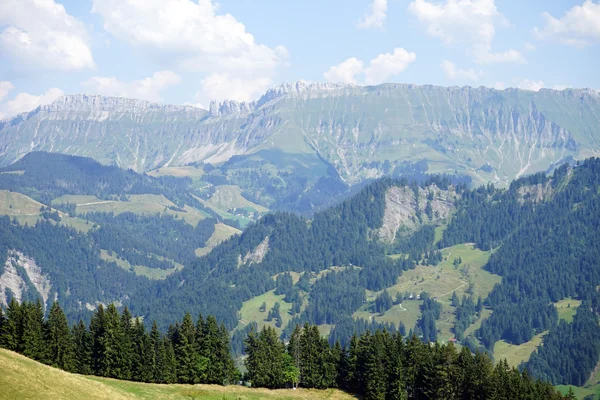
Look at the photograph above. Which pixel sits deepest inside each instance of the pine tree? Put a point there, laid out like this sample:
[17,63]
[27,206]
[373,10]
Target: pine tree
[34,345]
[396,375]
[170,365]
[97,337]
[13,327]
[266,359]
[186,354]
[158,350]
[130,357]
[61,349]
[82,349]
[114,365]
[144,350]
[293,349]
[2,322]
[375,373]
[309,357]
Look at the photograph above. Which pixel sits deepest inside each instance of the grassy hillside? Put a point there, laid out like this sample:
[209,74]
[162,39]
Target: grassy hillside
[22,378]
[222,232]
[516,354]
[142,270]
[138,204]
[27,211]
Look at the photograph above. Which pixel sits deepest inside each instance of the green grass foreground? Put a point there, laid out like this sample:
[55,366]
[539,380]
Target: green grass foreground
[23,378]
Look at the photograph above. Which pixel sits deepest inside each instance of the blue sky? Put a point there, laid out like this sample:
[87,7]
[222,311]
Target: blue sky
[195,51]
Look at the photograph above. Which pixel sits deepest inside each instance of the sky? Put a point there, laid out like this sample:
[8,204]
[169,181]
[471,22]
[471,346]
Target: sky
[196,51]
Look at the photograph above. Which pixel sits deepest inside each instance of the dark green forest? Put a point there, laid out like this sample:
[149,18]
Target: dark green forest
[375,365]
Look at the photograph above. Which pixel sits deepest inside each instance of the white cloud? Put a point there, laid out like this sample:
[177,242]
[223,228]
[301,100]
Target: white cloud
[147,89]
[561,87]
[24,102]
[222,86]
[528,47]
[345,72]
[470,22]
[387,64]
[580,26]
[460,74]
[192,35]
[499,86]
[5,88]
[40,34]
[379,70]
[375,17]
[528,84]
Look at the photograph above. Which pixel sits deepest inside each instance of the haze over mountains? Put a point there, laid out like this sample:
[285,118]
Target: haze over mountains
[362,132]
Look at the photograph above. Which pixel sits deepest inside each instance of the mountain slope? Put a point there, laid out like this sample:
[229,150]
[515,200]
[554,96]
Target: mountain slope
[344,132]
[23,378]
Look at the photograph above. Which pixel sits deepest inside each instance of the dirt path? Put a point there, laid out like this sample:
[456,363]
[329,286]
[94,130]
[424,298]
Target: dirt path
[96,202]
[439,298]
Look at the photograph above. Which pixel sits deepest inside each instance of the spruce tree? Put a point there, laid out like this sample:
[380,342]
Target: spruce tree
[82,349]
[170,366]
[61,349]
[114,365]
[129,357]
[293,349]
[97,338]
[13,326]
[34,345]
[158,350]
[375,371]
[2,321]
[186,353]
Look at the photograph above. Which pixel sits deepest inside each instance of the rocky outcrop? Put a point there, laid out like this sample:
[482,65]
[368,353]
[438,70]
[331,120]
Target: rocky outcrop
[258,254]
[12,278]
[401,205]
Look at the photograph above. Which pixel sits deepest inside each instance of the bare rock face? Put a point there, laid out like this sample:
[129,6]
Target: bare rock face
[401,205]
[490,135]
[535,193]
[258,254]
[13,280]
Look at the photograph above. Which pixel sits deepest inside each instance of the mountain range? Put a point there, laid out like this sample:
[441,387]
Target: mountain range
[297,133]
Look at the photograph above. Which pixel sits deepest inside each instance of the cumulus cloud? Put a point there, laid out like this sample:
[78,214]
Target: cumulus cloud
[580,26]
[379,70]
[147,89]
[470,22]
[345,72]
[385,65]
[499,86]
[528,84]
[5,88]
[24,102]
[40,34]
[192,35]
[460,74]
[375,17]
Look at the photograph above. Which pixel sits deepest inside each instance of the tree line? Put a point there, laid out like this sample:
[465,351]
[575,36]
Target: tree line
[382,366]
[378,365]
[116,345]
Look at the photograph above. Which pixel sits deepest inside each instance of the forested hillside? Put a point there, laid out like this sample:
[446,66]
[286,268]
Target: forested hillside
[375,365]
[484,267]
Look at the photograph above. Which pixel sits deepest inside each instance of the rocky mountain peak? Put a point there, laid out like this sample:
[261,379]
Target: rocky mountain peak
[301,87]
[228,107]
[95,103]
